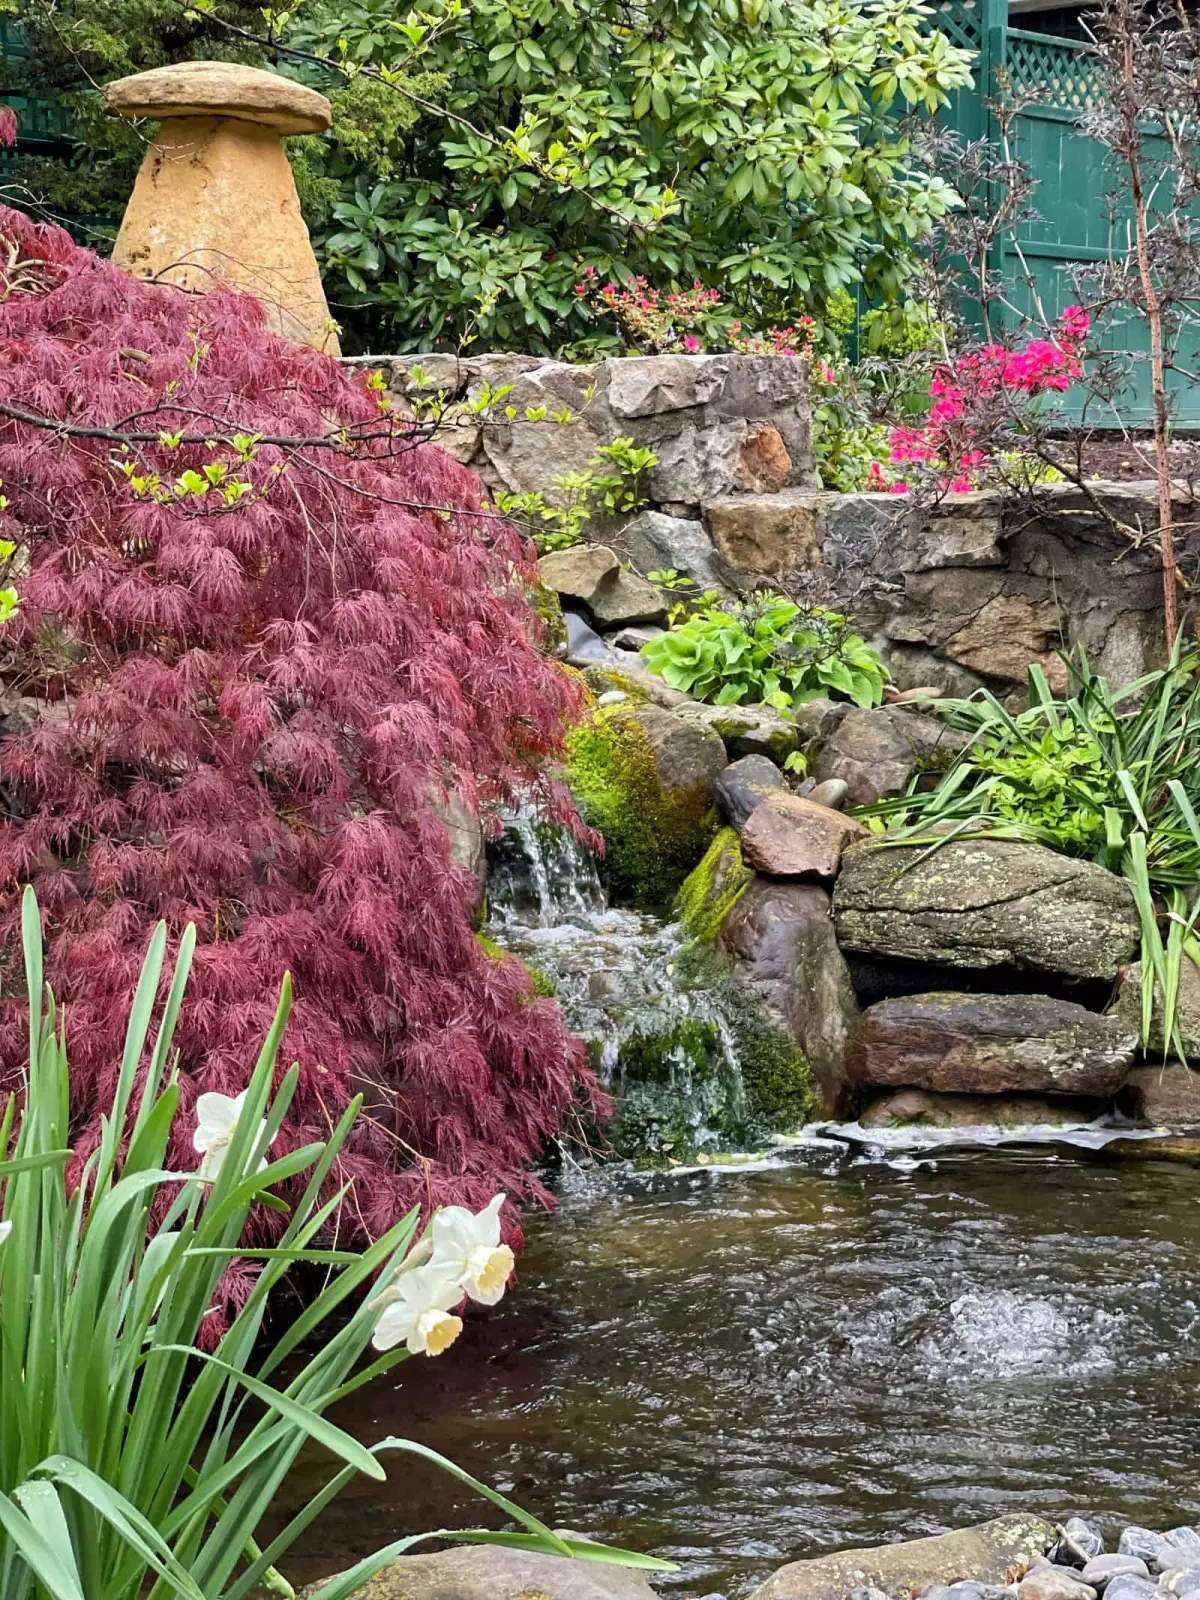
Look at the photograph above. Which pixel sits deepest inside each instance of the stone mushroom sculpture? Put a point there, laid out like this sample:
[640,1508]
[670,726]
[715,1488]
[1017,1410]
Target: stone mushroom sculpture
[215,201]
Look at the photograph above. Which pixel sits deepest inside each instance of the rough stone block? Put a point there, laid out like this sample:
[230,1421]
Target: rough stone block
[766,533]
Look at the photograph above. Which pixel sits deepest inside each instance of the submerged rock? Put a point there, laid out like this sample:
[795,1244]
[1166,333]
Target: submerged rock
[485,1572]
[984,903]
[788,837]
[989,1553]
[990,1044]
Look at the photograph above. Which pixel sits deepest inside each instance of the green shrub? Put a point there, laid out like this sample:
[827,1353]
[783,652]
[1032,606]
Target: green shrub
[1113,776]
[768,650]
[135,1465]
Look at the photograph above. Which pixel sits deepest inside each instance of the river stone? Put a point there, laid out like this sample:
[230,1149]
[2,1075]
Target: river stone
[788,837]
[989,1044]
[924,1108]
[1054,1583]
[1083,1540]
[988,1553]
[1143,1542]
[743,784]
[1100,1569]
[784,932]
[484,1572]
[1180,1580]
[876,752]
[832,793]
[986,903]
[1129,1587]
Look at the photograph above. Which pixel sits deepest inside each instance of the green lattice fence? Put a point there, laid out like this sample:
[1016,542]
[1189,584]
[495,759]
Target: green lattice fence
[1056,81]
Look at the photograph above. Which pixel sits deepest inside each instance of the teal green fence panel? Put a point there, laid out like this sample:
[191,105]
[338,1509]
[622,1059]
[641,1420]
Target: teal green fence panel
[1056,81]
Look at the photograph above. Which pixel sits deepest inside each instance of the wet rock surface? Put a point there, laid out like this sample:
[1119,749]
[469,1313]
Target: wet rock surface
[990,1044]
[787,837]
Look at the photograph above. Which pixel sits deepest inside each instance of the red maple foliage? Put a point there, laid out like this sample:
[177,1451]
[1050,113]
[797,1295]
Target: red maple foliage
[249,702]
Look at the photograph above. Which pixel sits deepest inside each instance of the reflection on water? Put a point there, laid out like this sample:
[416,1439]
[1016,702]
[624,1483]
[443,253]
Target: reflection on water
[736,1370]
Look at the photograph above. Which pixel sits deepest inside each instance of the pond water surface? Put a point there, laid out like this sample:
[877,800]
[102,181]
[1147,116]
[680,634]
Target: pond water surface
[735,1369]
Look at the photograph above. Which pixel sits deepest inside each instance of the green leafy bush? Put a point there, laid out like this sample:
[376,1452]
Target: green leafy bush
[1111,775]
[614,483]
[768,650]
[135,1464]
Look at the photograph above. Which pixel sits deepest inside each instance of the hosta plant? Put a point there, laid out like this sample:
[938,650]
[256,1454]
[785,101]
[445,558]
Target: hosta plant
[768,650]
[133,1464]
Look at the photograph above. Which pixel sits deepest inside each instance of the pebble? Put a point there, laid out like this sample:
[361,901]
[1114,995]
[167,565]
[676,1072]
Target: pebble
[1141,1542]
[831,793]
[1100,1569]
[1054,1583]
[612,697]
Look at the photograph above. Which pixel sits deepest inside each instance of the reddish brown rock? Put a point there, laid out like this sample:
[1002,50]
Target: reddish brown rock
[763,463]
[990,1044]
[788,837]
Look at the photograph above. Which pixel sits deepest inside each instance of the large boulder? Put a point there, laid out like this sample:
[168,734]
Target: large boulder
[989,1553]
[783,933]
[788,837]
[485,1572]
[744,784]
[990,1044]
[877,752]
[979,902]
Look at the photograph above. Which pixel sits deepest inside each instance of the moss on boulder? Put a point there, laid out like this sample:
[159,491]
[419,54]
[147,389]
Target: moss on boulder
[640,776]
[709,893]
[549,607]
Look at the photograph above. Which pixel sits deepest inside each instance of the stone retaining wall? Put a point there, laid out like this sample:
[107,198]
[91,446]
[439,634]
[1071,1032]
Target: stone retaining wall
[964,594]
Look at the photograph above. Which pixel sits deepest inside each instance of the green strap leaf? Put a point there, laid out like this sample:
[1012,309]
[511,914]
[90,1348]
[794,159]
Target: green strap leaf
[48,1555]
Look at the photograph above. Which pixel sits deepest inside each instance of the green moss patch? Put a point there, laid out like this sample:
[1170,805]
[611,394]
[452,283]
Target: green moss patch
[709,893]
[653,836]
[540,982]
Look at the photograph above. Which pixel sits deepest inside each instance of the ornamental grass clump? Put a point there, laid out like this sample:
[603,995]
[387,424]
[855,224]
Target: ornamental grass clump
[1110,775]
[133,1464]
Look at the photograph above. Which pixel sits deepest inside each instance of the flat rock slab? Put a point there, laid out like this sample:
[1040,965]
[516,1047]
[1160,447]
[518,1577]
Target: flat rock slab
[924,1108]
[990,1044]
[488,1573]
[788,837]
[986,903]
[990,1553]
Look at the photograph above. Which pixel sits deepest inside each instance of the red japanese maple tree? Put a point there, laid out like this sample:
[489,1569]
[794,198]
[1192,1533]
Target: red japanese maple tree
[262,633]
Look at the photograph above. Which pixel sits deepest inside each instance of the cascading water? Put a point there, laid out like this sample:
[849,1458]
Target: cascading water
[663,1041]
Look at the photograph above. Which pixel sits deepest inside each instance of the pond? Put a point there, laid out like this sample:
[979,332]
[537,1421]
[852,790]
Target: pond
[736,1368]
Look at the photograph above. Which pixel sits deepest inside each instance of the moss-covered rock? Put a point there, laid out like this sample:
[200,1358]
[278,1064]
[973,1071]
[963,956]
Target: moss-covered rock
[640,777]
[709,893]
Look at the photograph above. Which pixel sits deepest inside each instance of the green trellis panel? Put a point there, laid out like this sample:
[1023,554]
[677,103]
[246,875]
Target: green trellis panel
[1076,222]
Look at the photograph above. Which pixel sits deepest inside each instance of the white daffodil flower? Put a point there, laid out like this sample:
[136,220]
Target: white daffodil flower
[216,1123]
[467,1245]
[417,1309]
[5,1229]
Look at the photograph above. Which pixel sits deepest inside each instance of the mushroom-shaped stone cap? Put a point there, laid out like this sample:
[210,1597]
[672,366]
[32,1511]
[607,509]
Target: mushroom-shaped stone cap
[219,89]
